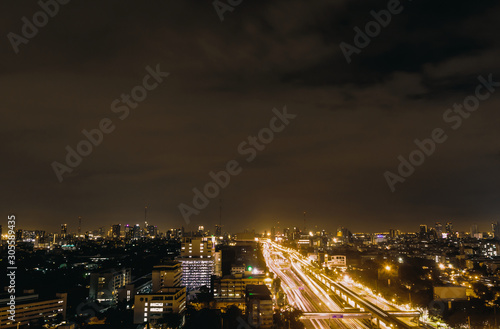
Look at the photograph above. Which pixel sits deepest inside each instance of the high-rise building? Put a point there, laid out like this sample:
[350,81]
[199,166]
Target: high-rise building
[19,235]
[439,230]
[449,228]
[168,274]
[286,233]
[423,229]
[196,272]
[495,228]
[167,297]
[64,230]
[473,231]
[129,232]
[218,263]
[343,235]
[218,231]
[104,285]
[136,231]
[152,307]
[197,259]
[197,247]
[116,231]
[152,231]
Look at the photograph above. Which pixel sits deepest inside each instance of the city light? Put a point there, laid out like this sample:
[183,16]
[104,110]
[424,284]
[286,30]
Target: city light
[288,164]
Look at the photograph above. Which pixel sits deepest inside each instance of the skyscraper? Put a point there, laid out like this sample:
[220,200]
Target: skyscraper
[64,230]
[129,232]
[449,228]
[197,247]
[286,233]
[19,235]
[218,230]
[218,263]
[473,231]
[343,235]
[439,230]
[137,231]
[152,231]
[116,231]
[495,228]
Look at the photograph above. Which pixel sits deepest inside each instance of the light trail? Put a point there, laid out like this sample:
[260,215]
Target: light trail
[315,280]
[303,292]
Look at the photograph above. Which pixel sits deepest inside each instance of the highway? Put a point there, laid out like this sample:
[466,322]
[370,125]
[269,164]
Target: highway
[310,291]
[304,293]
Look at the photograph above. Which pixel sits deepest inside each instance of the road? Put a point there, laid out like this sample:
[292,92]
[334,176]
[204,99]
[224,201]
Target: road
[305,294]
[289,265]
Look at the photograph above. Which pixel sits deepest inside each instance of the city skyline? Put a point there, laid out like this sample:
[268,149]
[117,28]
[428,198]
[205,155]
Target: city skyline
[236,164]
[277,226]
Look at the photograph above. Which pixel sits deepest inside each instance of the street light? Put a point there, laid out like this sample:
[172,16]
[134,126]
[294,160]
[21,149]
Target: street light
[388,268]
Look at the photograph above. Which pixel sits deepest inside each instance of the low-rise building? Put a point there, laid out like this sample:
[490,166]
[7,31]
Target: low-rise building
[231,287]
[104,285]
[337,261]
[30,310]
[151,307]
[168,274]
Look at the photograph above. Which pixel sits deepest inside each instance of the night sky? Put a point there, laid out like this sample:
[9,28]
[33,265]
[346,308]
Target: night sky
[225,78]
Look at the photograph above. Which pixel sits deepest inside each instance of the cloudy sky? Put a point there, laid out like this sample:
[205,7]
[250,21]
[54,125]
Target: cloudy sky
[352,120]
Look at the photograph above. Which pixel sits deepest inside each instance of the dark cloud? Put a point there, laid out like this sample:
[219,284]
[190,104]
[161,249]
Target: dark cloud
[353,120]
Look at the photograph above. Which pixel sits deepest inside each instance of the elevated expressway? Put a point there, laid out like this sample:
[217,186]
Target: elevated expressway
[326,303]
